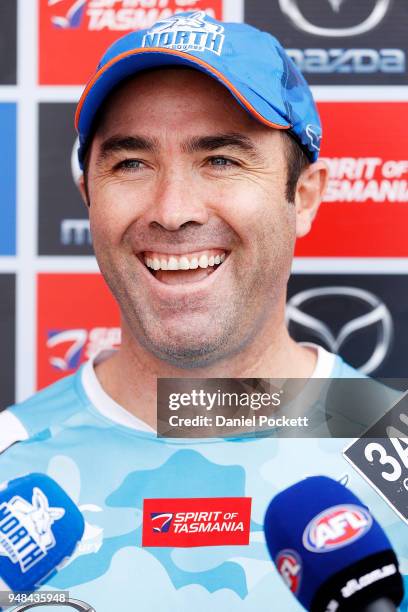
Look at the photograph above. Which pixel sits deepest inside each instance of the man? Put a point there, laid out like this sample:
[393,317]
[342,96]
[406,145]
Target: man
[199,143]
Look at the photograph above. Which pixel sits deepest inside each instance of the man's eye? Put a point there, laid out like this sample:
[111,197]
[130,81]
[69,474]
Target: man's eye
[221,162]
[129,164]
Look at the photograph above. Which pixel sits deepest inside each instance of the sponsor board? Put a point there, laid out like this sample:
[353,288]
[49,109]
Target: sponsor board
[187,522]
[8,42]
[70,328]
[364,212]
[363,317]
[7,334]
[83,29]
[337,41]
[63,227]
[8,179]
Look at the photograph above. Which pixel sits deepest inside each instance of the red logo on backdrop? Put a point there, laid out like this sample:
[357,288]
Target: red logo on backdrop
[336,527]
[74,34]
[214,521]
[365,209]
[71,329]
[289,566]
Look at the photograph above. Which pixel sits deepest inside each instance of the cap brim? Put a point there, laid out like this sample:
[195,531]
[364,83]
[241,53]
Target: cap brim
[136,60]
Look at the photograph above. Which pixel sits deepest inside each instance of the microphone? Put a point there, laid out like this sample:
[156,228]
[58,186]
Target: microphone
[330,551]
[40,527]
[381,605]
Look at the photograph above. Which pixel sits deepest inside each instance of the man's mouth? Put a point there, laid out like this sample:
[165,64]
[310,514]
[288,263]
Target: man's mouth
[184,268]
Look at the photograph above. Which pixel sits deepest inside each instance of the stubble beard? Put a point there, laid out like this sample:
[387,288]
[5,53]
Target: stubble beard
[222,332]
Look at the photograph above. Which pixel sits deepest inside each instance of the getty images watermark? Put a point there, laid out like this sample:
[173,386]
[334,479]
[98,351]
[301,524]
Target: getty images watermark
[223,407]
[235,401]
[228,407]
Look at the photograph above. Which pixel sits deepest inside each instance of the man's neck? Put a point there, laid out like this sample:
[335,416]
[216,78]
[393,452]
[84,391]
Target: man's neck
[130,375]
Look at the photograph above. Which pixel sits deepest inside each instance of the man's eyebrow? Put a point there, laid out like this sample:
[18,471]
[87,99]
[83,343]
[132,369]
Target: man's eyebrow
[196,144]
[127,143]
[219,141]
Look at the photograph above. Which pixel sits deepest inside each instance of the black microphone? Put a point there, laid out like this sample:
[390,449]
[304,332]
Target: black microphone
[381,605]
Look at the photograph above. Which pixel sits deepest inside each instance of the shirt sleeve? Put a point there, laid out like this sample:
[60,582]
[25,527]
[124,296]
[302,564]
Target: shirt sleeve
[12,430]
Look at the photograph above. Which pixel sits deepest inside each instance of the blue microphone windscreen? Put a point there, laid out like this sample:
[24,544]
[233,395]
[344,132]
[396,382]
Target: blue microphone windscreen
[40,527]
[316,529]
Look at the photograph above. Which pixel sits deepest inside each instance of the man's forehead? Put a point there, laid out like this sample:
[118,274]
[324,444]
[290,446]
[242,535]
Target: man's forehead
[174,77]
[161,93]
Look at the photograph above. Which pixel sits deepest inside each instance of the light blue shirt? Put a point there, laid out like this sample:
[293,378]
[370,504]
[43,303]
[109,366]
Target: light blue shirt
[109,468]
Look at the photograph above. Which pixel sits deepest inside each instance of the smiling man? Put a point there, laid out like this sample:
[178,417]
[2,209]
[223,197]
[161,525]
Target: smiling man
[194,233]
[199,144]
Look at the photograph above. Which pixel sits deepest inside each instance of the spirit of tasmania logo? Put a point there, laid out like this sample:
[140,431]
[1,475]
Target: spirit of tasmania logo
[82,30]
[72,14]
[336,527]
[117,15]
[214,521]
[161,521]
[25,529]
[75,345]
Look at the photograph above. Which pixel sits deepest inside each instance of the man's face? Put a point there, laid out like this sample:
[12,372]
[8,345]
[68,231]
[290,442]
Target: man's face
[181,176]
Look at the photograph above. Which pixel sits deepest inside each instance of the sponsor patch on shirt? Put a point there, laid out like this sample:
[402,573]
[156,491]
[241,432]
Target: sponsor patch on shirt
[187,522]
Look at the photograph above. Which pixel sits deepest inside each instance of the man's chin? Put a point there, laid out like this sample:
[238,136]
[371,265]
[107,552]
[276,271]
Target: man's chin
[187,353]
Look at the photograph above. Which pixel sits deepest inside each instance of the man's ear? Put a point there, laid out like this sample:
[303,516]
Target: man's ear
[310,189]
[83,190]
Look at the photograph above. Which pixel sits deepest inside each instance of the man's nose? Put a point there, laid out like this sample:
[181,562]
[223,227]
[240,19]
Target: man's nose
[177,200]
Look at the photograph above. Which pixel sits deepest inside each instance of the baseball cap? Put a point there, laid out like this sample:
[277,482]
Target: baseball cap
[251,64]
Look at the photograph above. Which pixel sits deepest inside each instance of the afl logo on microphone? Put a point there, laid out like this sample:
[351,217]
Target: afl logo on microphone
[336,527]
[289,566]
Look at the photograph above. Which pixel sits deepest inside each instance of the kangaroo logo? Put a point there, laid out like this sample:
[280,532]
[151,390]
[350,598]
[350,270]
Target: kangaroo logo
[193,22]
[186,33]
[25,529]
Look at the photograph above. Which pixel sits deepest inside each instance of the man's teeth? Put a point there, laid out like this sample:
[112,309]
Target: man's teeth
[183,262]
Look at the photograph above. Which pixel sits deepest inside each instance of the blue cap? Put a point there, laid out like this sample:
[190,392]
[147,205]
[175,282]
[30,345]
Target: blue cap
[251,64]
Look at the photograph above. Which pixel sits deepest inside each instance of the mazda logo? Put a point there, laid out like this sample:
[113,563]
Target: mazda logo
[292,10]
[378,314]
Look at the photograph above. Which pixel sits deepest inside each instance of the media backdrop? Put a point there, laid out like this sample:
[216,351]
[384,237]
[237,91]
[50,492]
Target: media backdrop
[349,290]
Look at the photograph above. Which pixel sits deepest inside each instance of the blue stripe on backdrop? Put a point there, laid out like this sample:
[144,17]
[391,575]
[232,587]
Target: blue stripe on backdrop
[8,113]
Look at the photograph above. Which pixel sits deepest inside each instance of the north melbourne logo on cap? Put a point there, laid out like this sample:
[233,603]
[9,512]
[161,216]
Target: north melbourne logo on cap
[192,33]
